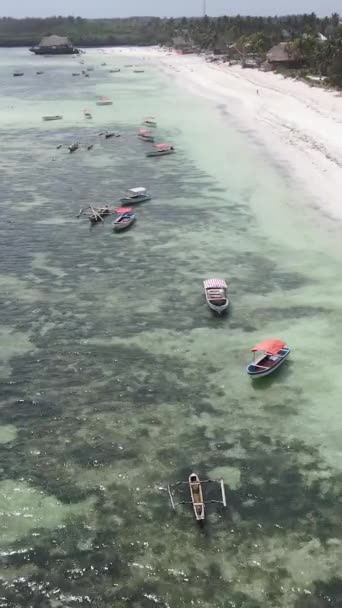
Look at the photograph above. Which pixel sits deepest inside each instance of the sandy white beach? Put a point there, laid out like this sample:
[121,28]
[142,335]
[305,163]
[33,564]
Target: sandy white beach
[300,126]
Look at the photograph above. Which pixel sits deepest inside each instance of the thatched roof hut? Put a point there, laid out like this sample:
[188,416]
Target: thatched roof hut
[281,55]
[54,40]
[54,45]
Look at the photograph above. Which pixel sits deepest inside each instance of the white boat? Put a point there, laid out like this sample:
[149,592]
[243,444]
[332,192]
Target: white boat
[57,117]
[104,101]
[216,294]
[150,121]
[136,195]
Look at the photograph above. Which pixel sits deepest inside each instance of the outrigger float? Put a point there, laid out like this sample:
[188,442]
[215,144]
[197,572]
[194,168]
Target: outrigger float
[196,495]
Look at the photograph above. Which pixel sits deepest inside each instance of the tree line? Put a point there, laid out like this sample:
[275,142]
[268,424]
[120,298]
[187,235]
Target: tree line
[316,42]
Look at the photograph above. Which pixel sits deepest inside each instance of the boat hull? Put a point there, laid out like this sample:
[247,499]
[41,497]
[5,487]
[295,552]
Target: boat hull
[254,372]
[197,497]
[49,118]
[148,138]
[120,226]
[135,199]
[152,154]
[218,309]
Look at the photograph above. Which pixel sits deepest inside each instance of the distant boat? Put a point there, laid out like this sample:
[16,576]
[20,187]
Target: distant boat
[39,73]
[18,73]
[161,150]
[57,117]
[136,195]
[273,354]
[87,114]
[112,134]
[124,220]
[103,64]
[74,147]
[138,71]
[150,121]
[104,101]
[115,71]
[76,74]
[145,135]
[216,294]
[90,69]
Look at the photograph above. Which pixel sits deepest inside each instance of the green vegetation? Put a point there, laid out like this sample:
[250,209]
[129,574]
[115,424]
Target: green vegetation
[315,44]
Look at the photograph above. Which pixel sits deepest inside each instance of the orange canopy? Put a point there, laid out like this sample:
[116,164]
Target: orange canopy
[269,346]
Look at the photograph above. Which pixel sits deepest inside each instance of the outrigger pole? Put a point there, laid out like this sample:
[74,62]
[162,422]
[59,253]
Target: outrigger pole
[171,497]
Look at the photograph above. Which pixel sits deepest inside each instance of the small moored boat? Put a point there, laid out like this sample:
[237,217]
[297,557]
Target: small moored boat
[272,353]
[57,117]
[74,147]
[87,114]
[145,135]
[104,101]
[124,220]
[39,73]
[216,294]
[138,71]
[196,497]
[115,71]
[18,73]
[136,195]
[112,134]
[150,121]
[161,150]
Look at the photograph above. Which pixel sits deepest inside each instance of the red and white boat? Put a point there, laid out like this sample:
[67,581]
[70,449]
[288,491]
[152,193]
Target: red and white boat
[272,353]
[145,135]
[216,294]
[125,218]
[104,101]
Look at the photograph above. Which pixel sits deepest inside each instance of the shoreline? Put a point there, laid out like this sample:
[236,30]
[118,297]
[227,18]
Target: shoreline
[299,126]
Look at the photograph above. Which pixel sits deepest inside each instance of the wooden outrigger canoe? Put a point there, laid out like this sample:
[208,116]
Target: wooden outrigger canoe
[96,214]
[196,495]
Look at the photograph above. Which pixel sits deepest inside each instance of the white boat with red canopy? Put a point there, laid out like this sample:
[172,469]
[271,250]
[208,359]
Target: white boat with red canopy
[216,294]
[104,101]
[145,135]
[161,150]
[124,219]
[272,353]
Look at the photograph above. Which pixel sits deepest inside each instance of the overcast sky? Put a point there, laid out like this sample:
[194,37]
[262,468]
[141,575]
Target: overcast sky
[164,8]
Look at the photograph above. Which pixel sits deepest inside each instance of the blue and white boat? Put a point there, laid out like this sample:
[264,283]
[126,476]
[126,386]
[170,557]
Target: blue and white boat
[136,195]
[268,356]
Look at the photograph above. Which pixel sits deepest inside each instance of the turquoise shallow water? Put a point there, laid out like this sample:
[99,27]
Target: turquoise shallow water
[116,379]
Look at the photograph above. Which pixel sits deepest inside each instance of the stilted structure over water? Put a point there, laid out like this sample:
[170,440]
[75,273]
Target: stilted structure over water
[54,45]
